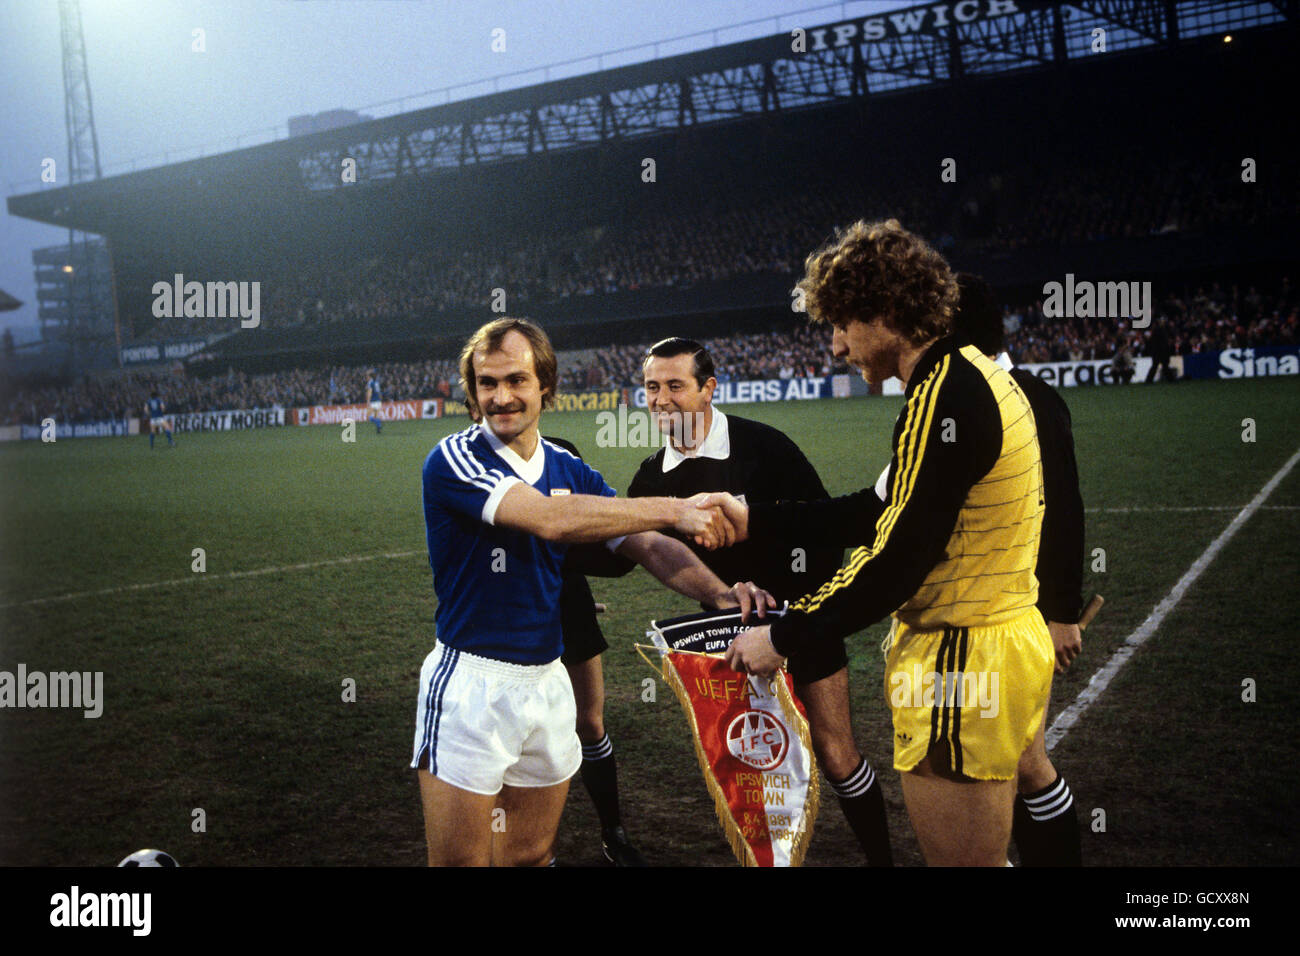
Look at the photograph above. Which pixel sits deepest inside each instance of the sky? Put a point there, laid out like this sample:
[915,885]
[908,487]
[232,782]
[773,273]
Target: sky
[155,97]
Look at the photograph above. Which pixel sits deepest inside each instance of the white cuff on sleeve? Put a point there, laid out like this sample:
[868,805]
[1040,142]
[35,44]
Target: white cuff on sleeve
[494,500]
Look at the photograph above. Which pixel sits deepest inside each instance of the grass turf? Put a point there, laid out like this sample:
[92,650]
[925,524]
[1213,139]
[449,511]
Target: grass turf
[223,689]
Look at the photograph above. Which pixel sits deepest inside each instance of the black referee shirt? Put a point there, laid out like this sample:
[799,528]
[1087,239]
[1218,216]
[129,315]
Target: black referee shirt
[1060,551]
[763,466]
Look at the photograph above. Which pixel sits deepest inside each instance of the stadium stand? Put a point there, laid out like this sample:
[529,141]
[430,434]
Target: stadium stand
[398,267]
[743,232]
[1196,319]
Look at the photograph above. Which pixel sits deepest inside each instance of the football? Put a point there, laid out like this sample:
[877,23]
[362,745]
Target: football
[149,858]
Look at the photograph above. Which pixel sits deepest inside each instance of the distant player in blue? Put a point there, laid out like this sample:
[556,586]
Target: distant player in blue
[375,396]
[495,722]
[159,420]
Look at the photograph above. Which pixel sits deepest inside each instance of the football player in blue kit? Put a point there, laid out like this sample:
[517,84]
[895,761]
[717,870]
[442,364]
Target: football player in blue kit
[375,399]
[495,739]
[158,419]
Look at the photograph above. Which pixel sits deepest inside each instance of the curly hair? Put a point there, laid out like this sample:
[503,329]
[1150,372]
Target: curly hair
[489,338]
[879,269]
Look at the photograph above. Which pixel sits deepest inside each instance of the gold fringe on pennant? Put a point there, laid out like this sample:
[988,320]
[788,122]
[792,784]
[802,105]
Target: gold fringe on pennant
[799,846]
[744,853]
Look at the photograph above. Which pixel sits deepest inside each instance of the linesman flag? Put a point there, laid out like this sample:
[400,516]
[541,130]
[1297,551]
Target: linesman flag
[751,738]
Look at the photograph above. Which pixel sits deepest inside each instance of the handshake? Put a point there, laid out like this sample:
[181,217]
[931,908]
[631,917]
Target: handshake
[713,520]
[719,520]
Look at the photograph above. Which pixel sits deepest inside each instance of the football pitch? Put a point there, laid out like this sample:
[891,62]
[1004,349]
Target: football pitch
[224,689]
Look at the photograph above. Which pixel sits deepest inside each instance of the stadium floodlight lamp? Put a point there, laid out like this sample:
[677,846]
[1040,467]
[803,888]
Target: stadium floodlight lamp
[67,268]
[1227,38]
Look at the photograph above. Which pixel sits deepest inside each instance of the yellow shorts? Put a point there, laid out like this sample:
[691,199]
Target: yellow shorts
[983,690]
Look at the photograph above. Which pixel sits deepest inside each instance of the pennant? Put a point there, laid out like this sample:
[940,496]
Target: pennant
[751,738]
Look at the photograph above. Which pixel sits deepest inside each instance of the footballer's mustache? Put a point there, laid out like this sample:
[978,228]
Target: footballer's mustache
[505,410]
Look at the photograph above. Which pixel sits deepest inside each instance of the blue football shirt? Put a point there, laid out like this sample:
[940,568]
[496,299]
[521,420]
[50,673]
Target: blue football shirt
[498,589]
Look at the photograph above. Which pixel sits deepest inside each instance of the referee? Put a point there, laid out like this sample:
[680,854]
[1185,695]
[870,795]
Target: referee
[707,450]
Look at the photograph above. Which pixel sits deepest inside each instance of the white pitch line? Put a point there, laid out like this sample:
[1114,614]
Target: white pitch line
[1099,681]
[1156,508]
[353,559]
[406,554]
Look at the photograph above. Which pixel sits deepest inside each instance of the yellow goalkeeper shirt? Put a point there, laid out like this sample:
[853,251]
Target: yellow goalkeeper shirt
[956,541]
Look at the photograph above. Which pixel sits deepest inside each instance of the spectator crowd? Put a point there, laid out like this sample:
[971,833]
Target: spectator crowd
[122,396]
[1188,321]
[741,230]
[1198,320]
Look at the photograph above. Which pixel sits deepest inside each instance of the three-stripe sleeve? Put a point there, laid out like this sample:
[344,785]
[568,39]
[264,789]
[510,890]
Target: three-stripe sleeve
[455,478]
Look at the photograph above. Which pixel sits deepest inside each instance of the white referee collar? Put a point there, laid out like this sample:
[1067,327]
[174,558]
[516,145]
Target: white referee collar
[716,444]
[530,470]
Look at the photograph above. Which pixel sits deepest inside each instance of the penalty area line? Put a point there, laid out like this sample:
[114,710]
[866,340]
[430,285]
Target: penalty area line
[228,576]
[1099,681]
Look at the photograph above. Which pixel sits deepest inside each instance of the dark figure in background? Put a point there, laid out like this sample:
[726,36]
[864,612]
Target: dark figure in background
[1122,363]
[1045,826]
[583,645]
[1160,349]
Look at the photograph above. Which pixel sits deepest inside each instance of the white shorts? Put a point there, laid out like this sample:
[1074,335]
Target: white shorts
[482,723]
[376,406]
